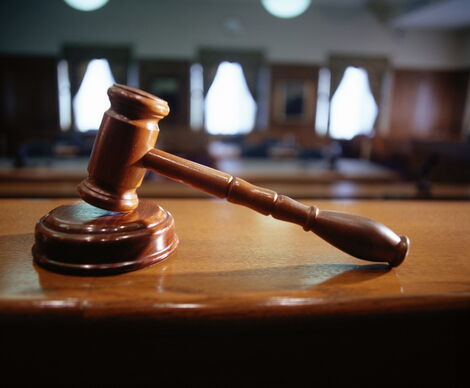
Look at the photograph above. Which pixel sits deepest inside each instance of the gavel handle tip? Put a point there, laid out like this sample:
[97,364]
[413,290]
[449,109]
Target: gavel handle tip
[402,251]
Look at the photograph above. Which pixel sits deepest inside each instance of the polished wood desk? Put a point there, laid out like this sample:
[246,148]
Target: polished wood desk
[336,190]
[358,179]
[243,289]
[254,170]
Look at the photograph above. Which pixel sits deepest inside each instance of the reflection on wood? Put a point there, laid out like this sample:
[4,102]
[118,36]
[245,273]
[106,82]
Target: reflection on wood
[256,301]
[257,267]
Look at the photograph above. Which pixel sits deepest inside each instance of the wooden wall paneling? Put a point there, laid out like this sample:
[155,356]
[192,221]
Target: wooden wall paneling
[281,76]
[168,79]
[428,104]
[29,108]
[458,91]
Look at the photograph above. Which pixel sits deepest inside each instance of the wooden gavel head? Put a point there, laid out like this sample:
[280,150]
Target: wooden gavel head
[129,129]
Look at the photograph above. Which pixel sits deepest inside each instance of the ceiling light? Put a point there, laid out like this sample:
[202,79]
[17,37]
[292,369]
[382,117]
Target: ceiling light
[286,9]
[86,5]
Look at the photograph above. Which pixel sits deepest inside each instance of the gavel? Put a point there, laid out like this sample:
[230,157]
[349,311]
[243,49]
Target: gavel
[124,150]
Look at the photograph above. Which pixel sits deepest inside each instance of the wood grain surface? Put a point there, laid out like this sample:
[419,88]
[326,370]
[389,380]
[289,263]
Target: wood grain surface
[235,263]
[338,190]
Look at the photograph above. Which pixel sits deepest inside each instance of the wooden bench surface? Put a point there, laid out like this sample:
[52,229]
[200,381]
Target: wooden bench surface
[235,263]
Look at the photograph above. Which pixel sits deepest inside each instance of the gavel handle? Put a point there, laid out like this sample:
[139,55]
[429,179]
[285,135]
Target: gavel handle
[358,236]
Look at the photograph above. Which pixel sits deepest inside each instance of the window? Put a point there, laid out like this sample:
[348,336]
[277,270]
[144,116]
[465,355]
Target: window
[229,106]
[353,109]
[197,97]
[92,100]
[65,107]
[323,101]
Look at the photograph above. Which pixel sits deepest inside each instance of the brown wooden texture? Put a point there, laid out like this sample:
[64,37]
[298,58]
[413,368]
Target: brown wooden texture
[164,188]
[285,73]
[264,171]
[176,72]
[29,111]
[123,150]
[84,240]
[128,131]
[428,104]
[359,236]
[234,263]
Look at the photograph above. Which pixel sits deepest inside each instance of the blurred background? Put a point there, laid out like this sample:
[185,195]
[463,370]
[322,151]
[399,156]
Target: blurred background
[315,99]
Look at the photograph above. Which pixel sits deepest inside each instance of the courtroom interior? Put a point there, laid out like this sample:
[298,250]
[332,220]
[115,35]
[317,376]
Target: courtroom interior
[364,99]
[360,106]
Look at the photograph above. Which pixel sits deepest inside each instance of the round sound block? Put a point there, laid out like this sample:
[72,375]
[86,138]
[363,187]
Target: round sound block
[82,239]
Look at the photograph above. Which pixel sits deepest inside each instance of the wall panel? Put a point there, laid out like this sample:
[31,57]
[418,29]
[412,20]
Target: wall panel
[428,104]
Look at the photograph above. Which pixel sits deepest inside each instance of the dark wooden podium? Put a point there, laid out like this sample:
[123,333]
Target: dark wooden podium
[244,298]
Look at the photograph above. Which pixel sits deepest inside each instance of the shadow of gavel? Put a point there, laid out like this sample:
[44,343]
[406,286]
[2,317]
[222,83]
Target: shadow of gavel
[123,150]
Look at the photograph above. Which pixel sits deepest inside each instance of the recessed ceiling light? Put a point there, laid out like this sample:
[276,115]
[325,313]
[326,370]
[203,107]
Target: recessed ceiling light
[86,5]
[286,9]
